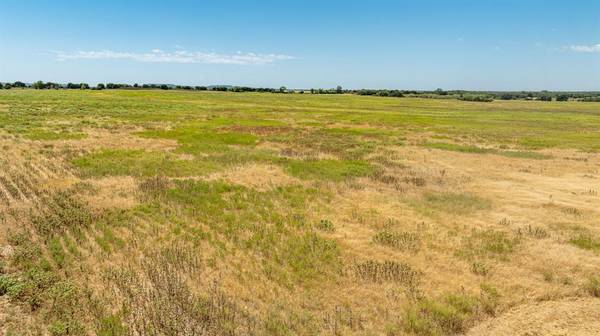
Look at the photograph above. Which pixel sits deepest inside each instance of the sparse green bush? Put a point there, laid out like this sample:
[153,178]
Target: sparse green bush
[9,285]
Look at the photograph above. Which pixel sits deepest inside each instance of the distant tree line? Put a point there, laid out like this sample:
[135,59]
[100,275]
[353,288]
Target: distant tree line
[485,96]
[476,96]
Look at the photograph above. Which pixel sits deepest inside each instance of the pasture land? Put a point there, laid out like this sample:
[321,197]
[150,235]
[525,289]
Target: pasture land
[202,213]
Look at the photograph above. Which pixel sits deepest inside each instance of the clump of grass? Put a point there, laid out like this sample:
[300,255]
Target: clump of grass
[417,181]
[111,325]
[489,299]
[69,327]
[309,256]
[489,243]
[57,252]
[155,187]
[341,318]
[593,286]
[479,268]
[450,314]
[405,241]
[548,275]
[586,241]
[571,211]
[535,232]
[107,240]
[505,221]
[387,271]
[9,285]
[325,225]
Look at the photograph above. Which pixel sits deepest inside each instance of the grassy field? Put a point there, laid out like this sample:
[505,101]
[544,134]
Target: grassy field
[205,213]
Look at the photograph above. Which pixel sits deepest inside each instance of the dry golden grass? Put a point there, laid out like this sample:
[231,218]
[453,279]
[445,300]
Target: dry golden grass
[422,241]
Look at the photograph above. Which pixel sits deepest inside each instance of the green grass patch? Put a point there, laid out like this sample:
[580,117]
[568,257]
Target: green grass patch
[198,139]
[57,252]
[117,162]
[309,256]
[586,241]
[458,148]
[333,170]
[449,315]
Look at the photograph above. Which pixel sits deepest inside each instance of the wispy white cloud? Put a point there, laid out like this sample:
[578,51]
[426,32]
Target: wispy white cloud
[592,48]
[178,56]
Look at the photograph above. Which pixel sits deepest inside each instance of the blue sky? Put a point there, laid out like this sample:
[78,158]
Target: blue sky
[481,45]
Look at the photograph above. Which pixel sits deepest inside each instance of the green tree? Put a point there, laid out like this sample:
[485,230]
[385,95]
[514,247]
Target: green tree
[38,85]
